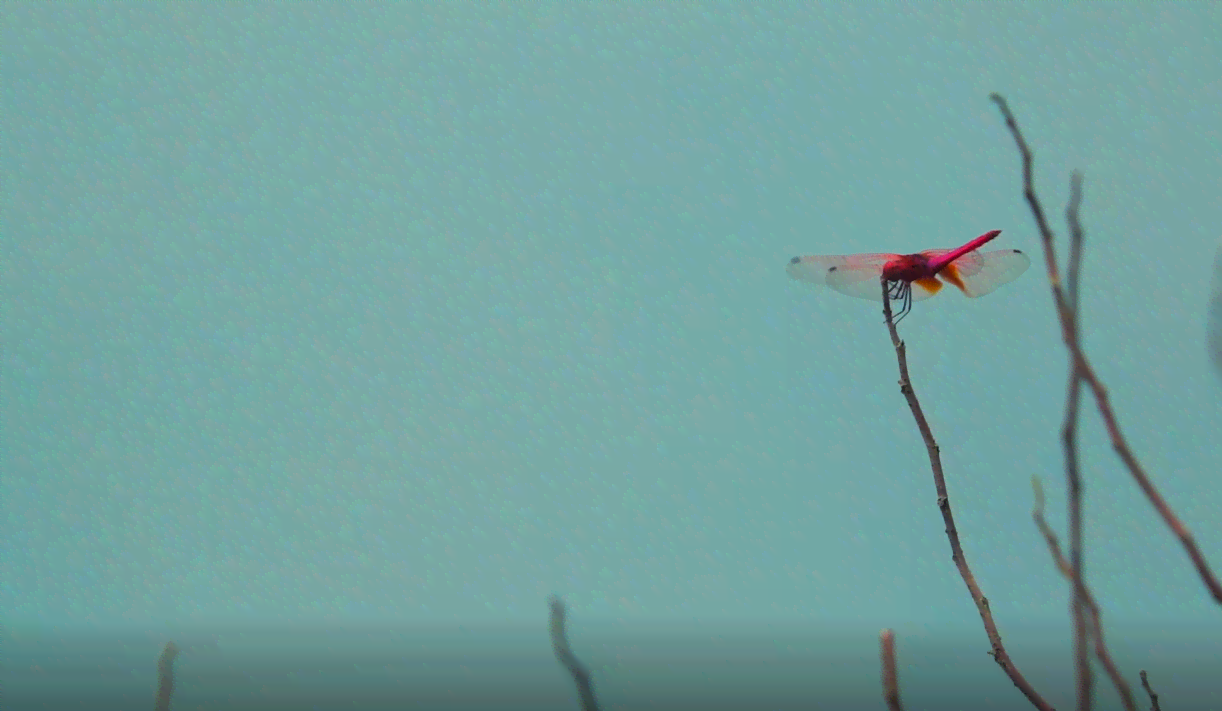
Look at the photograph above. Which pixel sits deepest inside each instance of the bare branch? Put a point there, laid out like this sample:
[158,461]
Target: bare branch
[1153,696]
[1076,237]
[560,645]
[1088,599]
[1069,440]
[165,677]
[1213,317]
[935,462]
[1069,334]
[891,684]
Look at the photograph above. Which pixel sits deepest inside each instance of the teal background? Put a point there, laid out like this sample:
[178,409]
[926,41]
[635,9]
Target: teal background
[427,311]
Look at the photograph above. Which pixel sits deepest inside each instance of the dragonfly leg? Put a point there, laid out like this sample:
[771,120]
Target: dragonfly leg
[900,291]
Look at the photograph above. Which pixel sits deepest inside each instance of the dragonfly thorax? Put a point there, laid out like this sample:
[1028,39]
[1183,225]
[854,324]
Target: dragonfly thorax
[908,267]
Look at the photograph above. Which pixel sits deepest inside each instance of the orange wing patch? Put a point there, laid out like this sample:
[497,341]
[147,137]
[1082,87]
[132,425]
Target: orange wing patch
[950,275]
[931,285]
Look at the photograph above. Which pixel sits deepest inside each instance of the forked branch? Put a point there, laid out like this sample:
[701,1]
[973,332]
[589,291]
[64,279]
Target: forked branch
[935,462]
[1069,333]
[1088,600]
[1073,478]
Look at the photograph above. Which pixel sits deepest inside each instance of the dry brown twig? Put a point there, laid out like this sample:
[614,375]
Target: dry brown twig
[998,650]
[1073,477]
[891,684]
[1089,605]
[1069,334]
[560,645]
[165,677]
[1153,696]
[1213,315]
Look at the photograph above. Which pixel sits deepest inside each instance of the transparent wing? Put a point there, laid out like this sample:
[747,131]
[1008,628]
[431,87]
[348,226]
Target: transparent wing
[997,269]
[847,282]
[967,264]
[983,272]
[854,275]
[814,269]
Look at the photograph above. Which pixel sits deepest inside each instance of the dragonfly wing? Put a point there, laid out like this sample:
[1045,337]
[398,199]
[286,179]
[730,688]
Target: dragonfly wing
[983,273]
[848,282]
[851,274]
[967,264]
[855,275]
[920,291]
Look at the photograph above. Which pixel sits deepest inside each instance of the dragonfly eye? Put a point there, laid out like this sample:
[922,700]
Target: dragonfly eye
[795,260]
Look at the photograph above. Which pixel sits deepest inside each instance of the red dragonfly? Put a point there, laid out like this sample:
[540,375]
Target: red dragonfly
[913,277]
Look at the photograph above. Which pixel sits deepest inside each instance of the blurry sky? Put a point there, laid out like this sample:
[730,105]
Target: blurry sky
[430,311]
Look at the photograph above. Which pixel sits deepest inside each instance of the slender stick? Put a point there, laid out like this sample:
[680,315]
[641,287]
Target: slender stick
[1087,373]
[998,651]
[891,684]
[1069,440]
[1088,600]
[560,645]
[165,677]
[1153,696]
[1213,315]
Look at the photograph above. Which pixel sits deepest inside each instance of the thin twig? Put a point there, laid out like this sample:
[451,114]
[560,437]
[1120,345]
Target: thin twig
[891,683]
[1076,237]
[1069,440]
[1213,314]
[1087,373]
[1153,696]
[935,462]
[560,645]
[1088,599]
[165,677]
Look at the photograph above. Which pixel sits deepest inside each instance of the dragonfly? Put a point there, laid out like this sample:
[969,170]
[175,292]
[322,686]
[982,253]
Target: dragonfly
[914,277]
